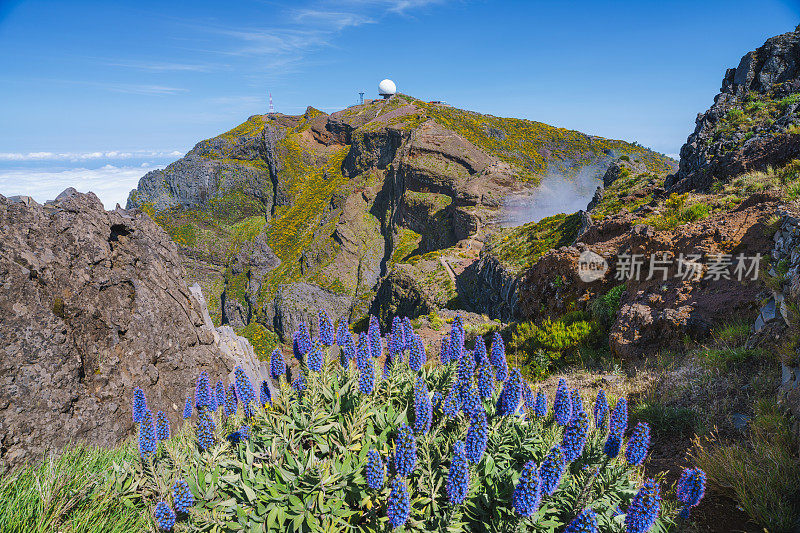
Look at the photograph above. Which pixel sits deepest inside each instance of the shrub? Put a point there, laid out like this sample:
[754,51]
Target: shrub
[306,463]
[761,473]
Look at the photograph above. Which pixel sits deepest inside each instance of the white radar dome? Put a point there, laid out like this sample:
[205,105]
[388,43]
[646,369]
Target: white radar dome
[387,88]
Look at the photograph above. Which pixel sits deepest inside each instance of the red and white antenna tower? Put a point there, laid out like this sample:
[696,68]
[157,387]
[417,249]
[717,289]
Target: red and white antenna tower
[271,105]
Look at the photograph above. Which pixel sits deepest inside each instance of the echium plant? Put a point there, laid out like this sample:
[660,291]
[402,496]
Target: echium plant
[405,452]
[616,428]
[690,489]
[456,339]
[398,337]
[498,357]
[165,516]
[528,398]
[147,436]
[265,394]
[326,336]
[644,508]
[638,444]
[527,493]
[139,405]
[244,390]
[577,403]
[408,331]
[551,470]
[182,496]
[375,471]
[205,428]
[511,396]
[303,340]
[479,352]
[316,357]
[202,393]
[601,410]
[458,477]
[231,402]
[477,437]
[374,335]
[485,378]
[585,522]
[187,409]
[277,367]
[540,407]
[451,404]
[417,355]
[162,426]
[398,508]
[575,437]
[444,353]
[366,377]
[219,394]
[466,368]
[562,404]
[423,410]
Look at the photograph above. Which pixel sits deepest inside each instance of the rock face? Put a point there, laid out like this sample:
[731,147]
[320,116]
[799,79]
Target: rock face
[753,122]
[92,304]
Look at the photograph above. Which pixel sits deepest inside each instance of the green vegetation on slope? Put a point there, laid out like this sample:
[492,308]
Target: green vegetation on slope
[519,248]
[529,144]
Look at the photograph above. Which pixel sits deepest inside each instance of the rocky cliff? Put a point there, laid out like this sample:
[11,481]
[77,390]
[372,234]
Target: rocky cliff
[92,304]
[754,122]
[335,202]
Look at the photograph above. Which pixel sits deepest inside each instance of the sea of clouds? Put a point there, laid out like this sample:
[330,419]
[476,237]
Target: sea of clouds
[109,174]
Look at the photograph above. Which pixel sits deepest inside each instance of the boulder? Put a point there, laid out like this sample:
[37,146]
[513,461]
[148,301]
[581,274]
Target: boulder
[92,304]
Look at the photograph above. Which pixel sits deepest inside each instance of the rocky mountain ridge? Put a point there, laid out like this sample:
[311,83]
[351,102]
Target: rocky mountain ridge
[335,201]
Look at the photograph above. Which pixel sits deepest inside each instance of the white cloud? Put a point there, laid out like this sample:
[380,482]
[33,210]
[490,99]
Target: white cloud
[110,183]
[157,66]
[86,156]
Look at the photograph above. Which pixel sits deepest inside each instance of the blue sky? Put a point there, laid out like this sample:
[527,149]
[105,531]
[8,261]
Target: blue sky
[98,84]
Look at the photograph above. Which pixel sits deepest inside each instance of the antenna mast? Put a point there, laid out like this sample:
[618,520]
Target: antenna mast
[271,106]
[361,98]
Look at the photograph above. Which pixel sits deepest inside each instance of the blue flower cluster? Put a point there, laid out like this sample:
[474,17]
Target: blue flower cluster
[162,426]
[241,434]
[575,437]
[187,408]
[423,409]
[485,377]
[363,351]
[498,357]
[407,333]
[458,477]
[182,496]
[316,357]
[398,342]
[147,435]
[638,444]
[231,402]
[374,335]
[398,509]
[205,430]
[165,516]
[471,401]
[299,385]
[690,490]
[479,352]
[244,392]
[551,470]
[528,397]
[527,493]
[366,377]
[405,452]
[452,402]
[585,522]
[139,405]
[601,410]
[417,355]
[562,404]
[577,403]
[265,395]
[326,336]
[343,333]
[466,368]
[540,408]
[616,428]
[477,437]
[202,394]
[220,394]
[375,470]
[644,508]
[277,367]
[444,354]
[302,340]
[511,395]
[456,339]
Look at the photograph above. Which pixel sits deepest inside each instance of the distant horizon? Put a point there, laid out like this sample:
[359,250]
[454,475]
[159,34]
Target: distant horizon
[95,94]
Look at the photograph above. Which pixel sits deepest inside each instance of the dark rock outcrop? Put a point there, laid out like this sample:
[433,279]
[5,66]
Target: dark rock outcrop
[92,304]
[753,122]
